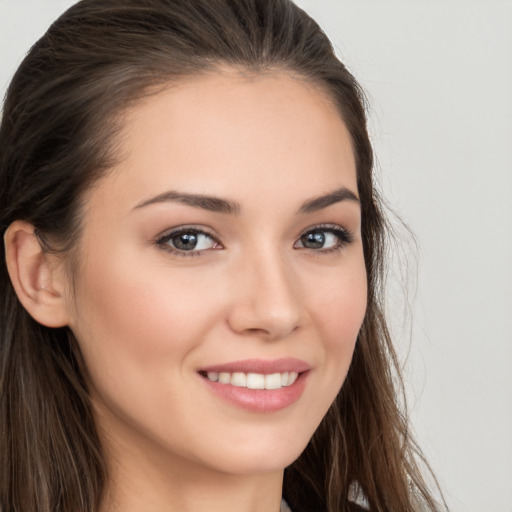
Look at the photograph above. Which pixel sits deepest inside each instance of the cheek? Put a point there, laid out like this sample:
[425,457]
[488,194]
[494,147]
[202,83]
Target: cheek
[339,310]
[340,307]
[134,318]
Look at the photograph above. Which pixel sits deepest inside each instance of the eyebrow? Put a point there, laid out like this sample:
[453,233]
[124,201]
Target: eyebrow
[321,202]
[210,203]
[218,205]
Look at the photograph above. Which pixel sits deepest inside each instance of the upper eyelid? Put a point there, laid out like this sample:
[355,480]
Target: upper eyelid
[212,232]
[187,229]
[328,227]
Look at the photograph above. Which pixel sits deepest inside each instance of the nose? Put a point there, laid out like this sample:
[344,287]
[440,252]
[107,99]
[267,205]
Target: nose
[266,299]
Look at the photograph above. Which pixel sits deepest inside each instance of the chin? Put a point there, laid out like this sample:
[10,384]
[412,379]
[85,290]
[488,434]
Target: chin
[263,463]
[258,457]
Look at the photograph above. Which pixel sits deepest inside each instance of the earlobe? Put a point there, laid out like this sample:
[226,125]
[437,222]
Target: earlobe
[35,275]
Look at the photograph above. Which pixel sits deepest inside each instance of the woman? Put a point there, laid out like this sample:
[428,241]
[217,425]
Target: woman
[194,251]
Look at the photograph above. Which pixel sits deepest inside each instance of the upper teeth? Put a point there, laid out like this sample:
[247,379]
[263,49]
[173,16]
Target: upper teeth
[254,380]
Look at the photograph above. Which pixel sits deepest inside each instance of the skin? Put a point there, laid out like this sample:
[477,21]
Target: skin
[148,319]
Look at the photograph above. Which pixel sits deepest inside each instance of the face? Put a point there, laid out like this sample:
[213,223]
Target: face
[220,256]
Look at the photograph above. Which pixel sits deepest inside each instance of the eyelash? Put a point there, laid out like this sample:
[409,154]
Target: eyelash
[344,238]
[163,241]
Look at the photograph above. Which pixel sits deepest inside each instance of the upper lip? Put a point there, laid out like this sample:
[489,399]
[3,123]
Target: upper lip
[262,366]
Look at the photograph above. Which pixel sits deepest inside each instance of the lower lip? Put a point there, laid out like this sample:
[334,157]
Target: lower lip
[259,400]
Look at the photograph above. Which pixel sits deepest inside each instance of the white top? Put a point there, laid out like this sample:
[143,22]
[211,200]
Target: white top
[284,506]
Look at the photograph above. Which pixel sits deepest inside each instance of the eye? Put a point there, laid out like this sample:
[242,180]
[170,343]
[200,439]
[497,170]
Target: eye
[187,240]
[324,238]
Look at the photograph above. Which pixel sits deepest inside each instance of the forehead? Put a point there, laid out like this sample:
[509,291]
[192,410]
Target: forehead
[230,133]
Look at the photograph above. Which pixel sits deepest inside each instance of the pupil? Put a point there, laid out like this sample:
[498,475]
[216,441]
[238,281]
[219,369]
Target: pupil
[314,240]
[186,241]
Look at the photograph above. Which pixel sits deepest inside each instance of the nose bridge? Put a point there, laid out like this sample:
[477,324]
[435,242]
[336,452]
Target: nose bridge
[267,300]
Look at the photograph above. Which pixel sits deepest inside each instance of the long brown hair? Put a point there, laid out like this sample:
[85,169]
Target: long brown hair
[57,137]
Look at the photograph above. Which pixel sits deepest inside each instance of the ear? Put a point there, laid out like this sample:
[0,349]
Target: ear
[38,277]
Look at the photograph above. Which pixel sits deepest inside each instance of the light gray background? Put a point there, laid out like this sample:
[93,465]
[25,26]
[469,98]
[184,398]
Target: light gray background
[439,77]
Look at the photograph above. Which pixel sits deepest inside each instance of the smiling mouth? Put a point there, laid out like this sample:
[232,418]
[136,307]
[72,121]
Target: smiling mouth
[258,385]
[253,380]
